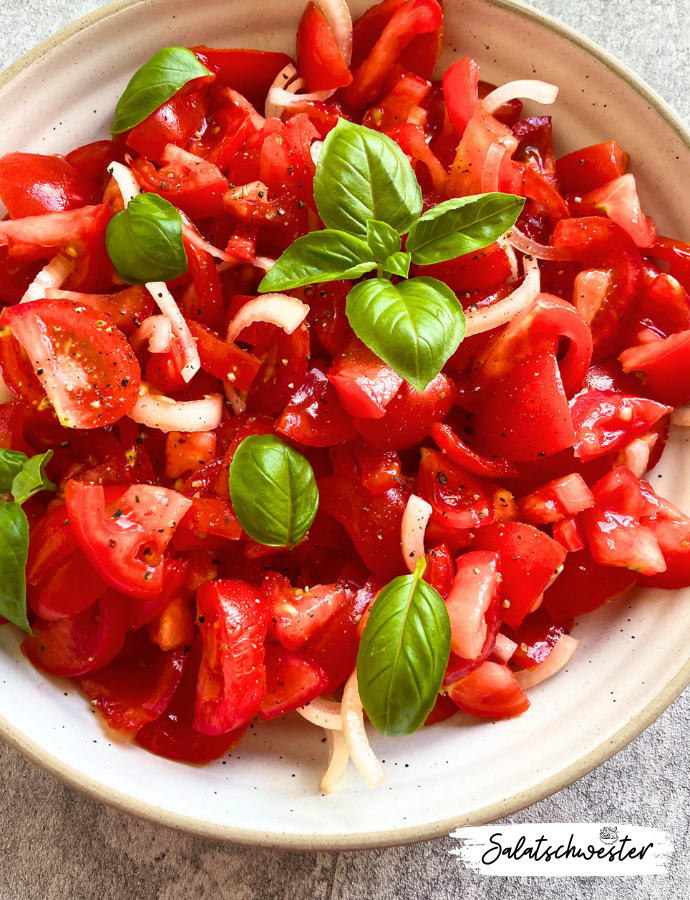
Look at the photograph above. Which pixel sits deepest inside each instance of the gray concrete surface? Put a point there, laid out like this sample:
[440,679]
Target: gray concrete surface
[58,845]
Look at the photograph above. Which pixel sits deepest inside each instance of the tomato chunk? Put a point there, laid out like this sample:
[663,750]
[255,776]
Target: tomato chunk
[319,60]
[491,691]
[297,615]
[590,168]
[364,383]
[314,415]
[475,587]
[584,585]
[292,680]
[32,184]
[605,421]
[556,500]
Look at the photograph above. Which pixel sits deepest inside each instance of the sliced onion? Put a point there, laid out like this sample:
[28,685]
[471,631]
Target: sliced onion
[193,236]
[414,521]
[126,181]
[233,397]
[278,309]
[559,656]
[527,89]
[326,713]
[167,414]
[590,289]
[282,94]
[338,17]
[338,758]
[492,167]
[481,320]
[681,416]
[315,151]
[6,394]
[636,457]
[158,331]
[53,275]
[170,309]
[504,647]
[539,251]
[356,736]
[264,262]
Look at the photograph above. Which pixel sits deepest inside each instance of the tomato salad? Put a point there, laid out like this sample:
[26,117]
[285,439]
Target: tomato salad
[327,388]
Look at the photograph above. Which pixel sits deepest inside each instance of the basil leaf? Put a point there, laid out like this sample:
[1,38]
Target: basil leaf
[363,175]
[154,83]
[32,478]
[398,264]
[461,226]
[144,241]
[14,549]
[403,654]
[414,326]
[11,464]
[383,240]
[273,491]
[319,256]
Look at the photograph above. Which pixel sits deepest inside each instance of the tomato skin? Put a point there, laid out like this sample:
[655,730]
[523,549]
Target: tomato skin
[67,588]
[292,680]
[440,570]
[275,382]
[92,160]
[459,453]
[671,528]
[618,200]
[466,171]
[461,92]
[232,676]
[143,612]
[81,643]
[539,634]
[313,415]
[585,585]
[665,367]
[677,255]
[535,146]
[295,617]
[365,384]
[554,501]
[172,736]
[81,352]
[529,561]
[605,421]
[443,709]
[228,128]
[590,168]
[222,359]
[477,271]
[380,468]
[126,309]
[32,184]
[458,500]
[50,540]
[319,60]
[137,685]
[249,72]
[490,691]
[194,185]
[403,100]
[475,588]
[410,415]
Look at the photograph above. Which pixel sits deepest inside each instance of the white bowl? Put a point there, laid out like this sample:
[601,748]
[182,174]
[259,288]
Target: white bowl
[633,660]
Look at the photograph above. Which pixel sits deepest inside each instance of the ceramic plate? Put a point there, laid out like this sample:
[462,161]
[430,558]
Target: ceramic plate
[633,660]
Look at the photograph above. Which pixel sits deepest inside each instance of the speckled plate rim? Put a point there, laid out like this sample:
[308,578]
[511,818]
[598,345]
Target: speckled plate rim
[392,837]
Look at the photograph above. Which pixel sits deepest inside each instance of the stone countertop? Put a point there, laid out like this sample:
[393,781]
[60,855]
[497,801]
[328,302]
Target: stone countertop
[56,844]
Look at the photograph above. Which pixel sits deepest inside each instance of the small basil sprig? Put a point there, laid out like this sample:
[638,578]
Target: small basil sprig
[403,654]
[368,197]
[22,477]
[144,241]
[154,83]
[273,491]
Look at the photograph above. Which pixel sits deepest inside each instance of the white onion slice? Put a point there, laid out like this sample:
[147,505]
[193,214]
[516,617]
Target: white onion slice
[6,394]
[492,167]
[315,151]
[500,313]
[264,262]
[282,94]
[53,275]
[126,181]
[278,309]
[414,521]
[326,713]
[356,737]
[170,309]
[338,758]
[338,17]
[559,656]
[167,414]
[158,331]
[232,396]
[539,251]
[193,236]
[681,416]
[504,647]
[635,455]
[527,89]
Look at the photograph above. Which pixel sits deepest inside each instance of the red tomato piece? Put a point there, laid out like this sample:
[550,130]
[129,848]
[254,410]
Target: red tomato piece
[172,736]
[296,615]
[569,533]
[283,367]
[537,188]
[590,168]
[202,298]
[677,255]
[126,309]
[476,271]
[458,500]
[365,384]
[142,612]
[292,680]
[443,709]
[536,638]
[461,93]
[380,468]
[529,562]
[314,416]
[665,367]
[490,691]
[476,587]
[186,452]
[249,72]
[89,373]
[173,628]
[232,675]
[440,569]
[459,453]
[410,415]
[605,421]
[401,103]
[535,146]
[584,585]
[67,588]
[187,181]
[51,539]
[137,685]
[125,539]
[327,316]
[671,528]
[319,60]
[212,515]
[228,128]
[618,199]
[665,306]
[92,160]
[556,500]
[32,184]
[81,643]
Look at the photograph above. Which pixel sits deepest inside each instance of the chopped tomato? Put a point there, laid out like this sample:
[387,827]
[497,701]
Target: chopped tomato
[319,61]
[585,585]
[461,93]
[292,680]
[475,588]
[32,184]
[228,128]
[440,569]
[313,415]
[380,468]
[249,72]
[186,452]
[365,384]
[92,160]
[591,168]
[222,359]
[68,587]
[297,615]
[618,200]
[536,638]
[556,500]
[490,691]
[664,366]
[187,181]
[462,455]
[283,367]
[605,421]
[458,500]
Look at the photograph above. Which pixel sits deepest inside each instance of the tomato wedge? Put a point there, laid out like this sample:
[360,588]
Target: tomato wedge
[491,691]
[292,680]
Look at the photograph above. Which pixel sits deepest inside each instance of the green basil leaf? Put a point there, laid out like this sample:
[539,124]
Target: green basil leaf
[461,226]
[273,491]
[362,175]
[144,241]
[11,464]
[14,549]
[319,256]
[383,240]
[413,326]
[398,264]
[403,654]
[154,83]
[32,478]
